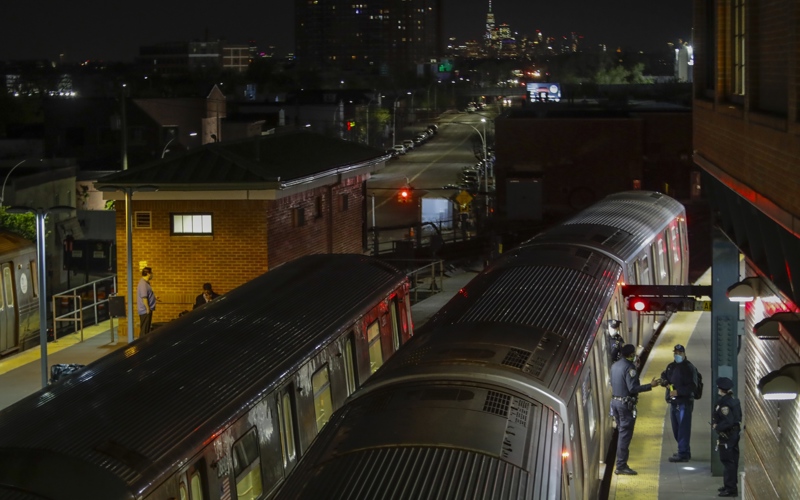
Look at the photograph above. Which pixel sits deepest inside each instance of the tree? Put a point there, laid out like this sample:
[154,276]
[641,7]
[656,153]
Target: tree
[20,224]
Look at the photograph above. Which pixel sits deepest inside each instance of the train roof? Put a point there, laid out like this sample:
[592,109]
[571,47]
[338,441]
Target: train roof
[129,411]
[537,310]
[621,223]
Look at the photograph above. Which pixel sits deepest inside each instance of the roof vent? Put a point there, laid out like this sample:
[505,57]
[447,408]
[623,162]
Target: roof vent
[516,358]
[497,403]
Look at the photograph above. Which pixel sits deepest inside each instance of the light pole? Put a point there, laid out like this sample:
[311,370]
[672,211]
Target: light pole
[41,269]
[394,121]
[164,152]
[3,192]
[128,190]
[485,159]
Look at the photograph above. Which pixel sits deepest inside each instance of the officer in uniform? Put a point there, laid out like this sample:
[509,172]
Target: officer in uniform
[625,389]
[726,421]
[615,340]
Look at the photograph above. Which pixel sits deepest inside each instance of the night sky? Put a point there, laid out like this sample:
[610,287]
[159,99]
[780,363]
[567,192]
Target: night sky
[113,31]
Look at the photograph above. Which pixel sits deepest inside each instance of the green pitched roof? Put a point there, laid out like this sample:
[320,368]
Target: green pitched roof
[265,161]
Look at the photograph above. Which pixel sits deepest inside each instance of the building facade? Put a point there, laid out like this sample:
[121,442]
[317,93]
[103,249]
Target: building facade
[226,213]
[747,141]
[371,38]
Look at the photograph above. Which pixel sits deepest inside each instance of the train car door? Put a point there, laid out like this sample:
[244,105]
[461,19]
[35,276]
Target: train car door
[193,485]
[8,312]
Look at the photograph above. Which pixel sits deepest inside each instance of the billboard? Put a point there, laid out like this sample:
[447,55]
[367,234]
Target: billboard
[544,92]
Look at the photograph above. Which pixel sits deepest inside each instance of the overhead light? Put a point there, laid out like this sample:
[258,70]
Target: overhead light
[770,328]
[745,290]
[780,385]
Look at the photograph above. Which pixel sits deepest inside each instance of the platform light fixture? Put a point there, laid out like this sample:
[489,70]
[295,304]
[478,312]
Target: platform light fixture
[781,385]
[744,291]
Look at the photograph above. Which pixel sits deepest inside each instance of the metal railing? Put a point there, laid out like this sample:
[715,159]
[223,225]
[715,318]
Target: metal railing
[427,280]
[83,304]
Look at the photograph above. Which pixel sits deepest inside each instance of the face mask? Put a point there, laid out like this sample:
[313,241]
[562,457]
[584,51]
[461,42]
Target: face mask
[722,393]
[678,358]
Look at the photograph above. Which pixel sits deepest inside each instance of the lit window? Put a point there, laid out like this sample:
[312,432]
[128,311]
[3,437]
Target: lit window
[197,487]
[192,224]
[287,427]
[350,365]
[323,407]
[247,466]
[375,352]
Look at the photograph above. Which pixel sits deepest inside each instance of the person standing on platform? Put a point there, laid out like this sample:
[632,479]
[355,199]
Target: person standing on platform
[625,389]
[726,420]
[680,379]
[146,300]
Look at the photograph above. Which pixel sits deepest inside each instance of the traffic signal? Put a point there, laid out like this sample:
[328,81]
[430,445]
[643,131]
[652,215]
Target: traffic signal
[656,304]
[404,195]
[351,125]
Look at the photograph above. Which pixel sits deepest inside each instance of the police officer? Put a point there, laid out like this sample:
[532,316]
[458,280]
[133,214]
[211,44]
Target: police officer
[615,340]
[625,389]
[726,421]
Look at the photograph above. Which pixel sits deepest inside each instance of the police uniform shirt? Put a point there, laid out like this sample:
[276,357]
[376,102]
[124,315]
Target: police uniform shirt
[625,379]
[727,414]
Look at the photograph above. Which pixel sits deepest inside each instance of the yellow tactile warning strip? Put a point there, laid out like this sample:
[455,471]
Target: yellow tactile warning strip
[33,354]
[645,449]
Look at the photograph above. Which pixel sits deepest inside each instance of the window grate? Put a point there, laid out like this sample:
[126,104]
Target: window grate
[520,414]
[497,403]
[516,358]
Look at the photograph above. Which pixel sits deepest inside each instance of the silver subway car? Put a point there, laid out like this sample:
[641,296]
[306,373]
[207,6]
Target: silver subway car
[218,404]
[504,394]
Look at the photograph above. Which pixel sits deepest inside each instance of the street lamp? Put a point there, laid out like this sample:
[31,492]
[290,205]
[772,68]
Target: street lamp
[128,190]
[394,121]
[485,158]
[41,215]
[164,152]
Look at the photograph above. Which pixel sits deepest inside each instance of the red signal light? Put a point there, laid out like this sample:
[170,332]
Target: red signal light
[404,195]
[639,305]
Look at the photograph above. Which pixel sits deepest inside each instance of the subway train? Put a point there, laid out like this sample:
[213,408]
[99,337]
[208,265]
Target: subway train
[19,294]
[217,404]
[505,392]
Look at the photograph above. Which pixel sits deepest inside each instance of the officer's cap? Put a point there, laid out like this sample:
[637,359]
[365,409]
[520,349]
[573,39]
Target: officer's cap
[627,350]
[679,348]
[725,383]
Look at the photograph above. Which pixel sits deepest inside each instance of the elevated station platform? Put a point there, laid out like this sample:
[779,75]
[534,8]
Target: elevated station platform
[653,442]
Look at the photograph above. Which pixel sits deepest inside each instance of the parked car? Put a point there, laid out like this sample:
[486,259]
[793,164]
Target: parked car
[409,144]
[399,149]
[434,129]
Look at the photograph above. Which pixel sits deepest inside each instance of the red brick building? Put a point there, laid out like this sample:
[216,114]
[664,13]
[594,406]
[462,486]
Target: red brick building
[228,212]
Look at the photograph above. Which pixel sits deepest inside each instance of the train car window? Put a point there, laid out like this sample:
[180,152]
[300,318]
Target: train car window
[408,327]
[589,404]
[321,383]
[246,467]
[183,491]
[350,368]
[197,486]
[644,271]
[287,427]
[395,326]
[661,250]
[8,282]
[34,278]
[674,242]
[375,348]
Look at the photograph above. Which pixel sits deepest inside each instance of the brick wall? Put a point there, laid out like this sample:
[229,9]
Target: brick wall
[334,231]
[235,254]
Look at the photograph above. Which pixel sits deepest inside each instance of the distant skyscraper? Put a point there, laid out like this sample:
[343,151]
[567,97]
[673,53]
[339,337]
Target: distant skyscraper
[489,24]
[380,36]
